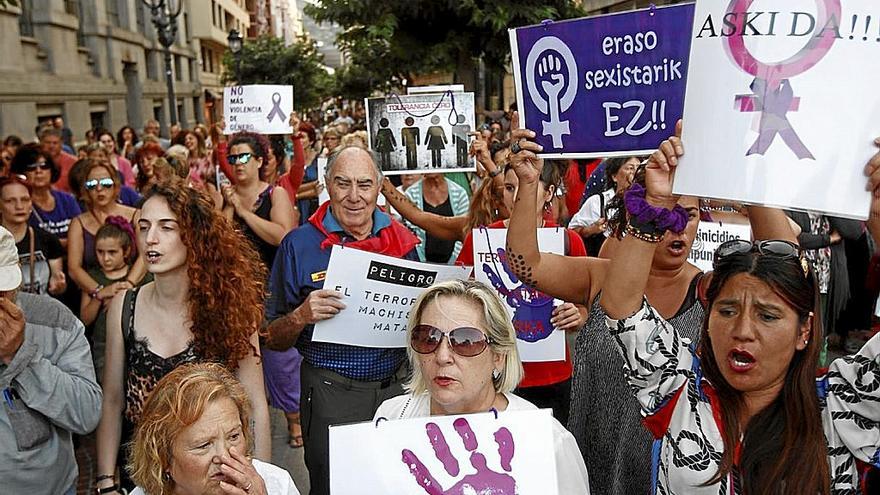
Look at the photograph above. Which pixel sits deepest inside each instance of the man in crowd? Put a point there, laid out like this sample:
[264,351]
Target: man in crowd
[66,134]
[48,385]
[50,140]
[151,128]
[340,383]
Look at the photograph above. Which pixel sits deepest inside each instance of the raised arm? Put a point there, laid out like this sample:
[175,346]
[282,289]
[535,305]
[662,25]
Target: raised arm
[627,277]
[573,279]
[447,228]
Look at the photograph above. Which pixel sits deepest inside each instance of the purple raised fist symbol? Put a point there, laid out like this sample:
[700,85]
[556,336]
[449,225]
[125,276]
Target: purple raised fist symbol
[532,308]
[481,481]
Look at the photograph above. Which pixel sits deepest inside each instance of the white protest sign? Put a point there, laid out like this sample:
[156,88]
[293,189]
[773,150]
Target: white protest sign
[324,195]
[378,292]
[400,457]
[781,107]
[530,310]
[262,108]
[710,235]
[421,133]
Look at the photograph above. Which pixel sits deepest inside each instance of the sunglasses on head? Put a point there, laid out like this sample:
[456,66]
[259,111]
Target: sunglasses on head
[105,183]
[738,247]
[464,341]
[39,165]
[239,159]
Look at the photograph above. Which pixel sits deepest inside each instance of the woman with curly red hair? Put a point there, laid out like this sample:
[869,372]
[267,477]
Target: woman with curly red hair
[205,304]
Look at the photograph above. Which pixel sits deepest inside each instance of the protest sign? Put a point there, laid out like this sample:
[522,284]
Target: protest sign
[710,235]
[781,104]
[421,133]
[611,85]
[262,108]
[529,309]
[322,179]
[447,451]
[378,292]
[439,88]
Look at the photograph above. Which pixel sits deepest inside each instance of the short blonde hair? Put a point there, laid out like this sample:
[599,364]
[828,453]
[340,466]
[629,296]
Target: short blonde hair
[499,328]
[177,402]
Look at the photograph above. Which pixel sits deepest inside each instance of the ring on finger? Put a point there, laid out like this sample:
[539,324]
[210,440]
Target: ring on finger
[515,148]
[247,489]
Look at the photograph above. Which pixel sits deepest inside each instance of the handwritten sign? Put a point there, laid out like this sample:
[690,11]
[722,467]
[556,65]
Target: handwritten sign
[261,108]
[421,133]
[782,104]
[403,455]
[378,292]
[611,85]
[529,309]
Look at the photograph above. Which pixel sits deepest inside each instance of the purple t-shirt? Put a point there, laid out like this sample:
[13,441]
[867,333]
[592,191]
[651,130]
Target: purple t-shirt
[58,220]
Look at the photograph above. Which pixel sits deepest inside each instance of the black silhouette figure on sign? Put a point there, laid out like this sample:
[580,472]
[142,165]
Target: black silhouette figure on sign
[409,137]
[436,140]
[385,144]
[460,138]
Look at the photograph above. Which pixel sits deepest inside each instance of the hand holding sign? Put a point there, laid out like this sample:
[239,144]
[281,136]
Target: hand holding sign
[484,480]
[321,305]
[526,164]
[872,170]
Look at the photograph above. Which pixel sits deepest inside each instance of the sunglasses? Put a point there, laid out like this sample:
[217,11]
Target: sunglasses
[105,183]
[39,165]
[464,341]
[738,247]
[239,159]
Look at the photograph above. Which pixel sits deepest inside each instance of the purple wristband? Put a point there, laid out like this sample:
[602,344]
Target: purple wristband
[642,213]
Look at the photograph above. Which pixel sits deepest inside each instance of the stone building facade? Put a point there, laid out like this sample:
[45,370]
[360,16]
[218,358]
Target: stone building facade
[98,63]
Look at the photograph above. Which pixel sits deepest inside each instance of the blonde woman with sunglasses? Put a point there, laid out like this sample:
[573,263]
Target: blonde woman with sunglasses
[100,192]
[462,350]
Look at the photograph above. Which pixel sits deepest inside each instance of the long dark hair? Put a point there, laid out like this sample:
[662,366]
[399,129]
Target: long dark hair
[783,445]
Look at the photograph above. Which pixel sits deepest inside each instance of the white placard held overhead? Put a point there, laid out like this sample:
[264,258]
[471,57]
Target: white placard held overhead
[324,195]
[403,455]
[530,310]
[781,107]
[262,108]
[378,292]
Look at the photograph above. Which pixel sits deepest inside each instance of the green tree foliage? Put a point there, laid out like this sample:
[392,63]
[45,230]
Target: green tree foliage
[265,60]
[393,39]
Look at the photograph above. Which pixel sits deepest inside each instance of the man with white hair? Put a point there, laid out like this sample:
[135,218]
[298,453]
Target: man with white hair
[340,383]
[48,385]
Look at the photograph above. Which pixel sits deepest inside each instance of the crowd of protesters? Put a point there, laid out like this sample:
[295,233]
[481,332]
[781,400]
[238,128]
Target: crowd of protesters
[137,255]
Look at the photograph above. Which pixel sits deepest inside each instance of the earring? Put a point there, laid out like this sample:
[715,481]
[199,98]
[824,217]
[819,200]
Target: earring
[806,341]
[496,374]
[166,476]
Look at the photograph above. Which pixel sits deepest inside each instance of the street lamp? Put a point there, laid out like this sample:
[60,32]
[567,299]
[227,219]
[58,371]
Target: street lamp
[235,44]
[164,16]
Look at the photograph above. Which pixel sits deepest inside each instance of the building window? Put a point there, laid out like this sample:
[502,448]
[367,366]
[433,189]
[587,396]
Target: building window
[112,10]
[186,26]
[192,69]
[178,73]
[152,69]
[214,13]
[74,8]
[140,18]
[25,21]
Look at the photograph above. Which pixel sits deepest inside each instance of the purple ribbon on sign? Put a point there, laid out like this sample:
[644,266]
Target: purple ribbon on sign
[772,94]
[774,106]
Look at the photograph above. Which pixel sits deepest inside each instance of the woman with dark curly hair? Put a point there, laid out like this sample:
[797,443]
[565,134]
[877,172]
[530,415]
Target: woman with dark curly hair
[205,304]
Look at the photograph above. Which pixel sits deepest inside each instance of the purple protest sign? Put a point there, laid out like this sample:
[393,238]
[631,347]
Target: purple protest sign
[603,86]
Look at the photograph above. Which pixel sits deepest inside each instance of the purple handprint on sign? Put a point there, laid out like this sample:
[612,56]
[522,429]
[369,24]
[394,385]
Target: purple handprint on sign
[532,308]
[482,482]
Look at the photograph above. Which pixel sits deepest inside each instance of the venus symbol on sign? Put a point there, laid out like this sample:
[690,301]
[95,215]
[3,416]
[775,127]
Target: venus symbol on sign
[553,63]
